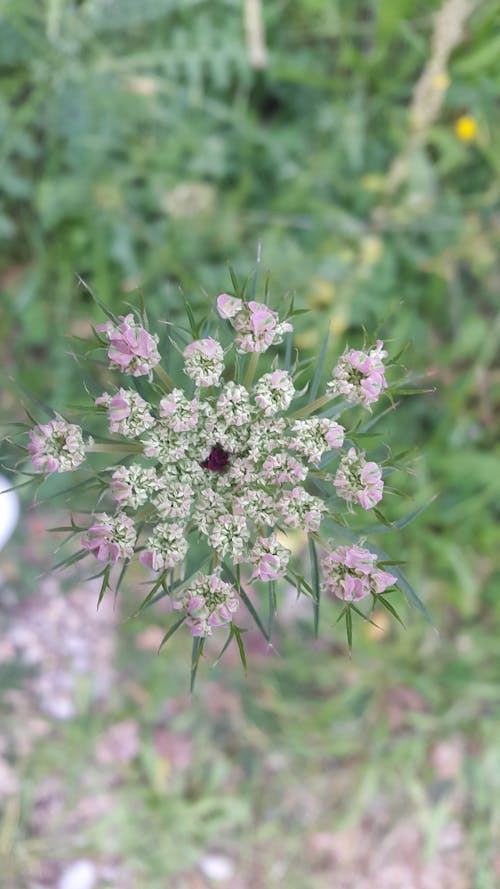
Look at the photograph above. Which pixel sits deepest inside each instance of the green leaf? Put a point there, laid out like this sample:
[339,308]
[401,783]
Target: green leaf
[319,368]
[348,626]
[237,289]
[401,523]
[196,653]
[102,305]
[241,648]
[406,587]
[380,515]
[70,560]
[249,605]
[313,559]
[192,320]
[151,594]
[171,630]
[272,606]
[226,645]
[389,608]
[105,584]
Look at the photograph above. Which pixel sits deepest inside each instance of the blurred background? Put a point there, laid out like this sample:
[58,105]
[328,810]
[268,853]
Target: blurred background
[143,144]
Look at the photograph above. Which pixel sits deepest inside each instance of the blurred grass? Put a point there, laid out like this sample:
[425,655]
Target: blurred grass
[140,149]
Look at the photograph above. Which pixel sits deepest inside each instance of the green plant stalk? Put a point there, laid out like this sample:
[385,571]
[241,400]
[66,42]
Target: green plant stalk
[250,371]
[124,448]
[164,377]
[310,408]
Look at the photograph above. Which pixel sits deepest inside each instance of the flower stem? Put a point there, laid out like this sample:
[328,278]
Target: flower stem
[124,448]
[250,372]
[313,406]
[164,377]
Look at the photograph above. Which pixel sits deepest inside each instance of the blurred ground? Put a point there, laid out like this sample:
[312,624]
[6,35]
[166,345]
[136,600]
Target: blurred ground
[142,146]
[376,771]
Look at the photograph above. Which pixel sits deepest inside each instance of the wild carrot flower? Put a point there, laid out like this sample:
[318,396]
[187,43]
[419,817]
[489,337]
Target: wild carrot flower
[257,326]
[359,481]
[132,486]
[131,348]
[166,546]
[204,361]
[360,376]
[208,602]
[351,573]
[111,537]
[57,446]
[269,558]
[128,413]
[312,437]
[230,469]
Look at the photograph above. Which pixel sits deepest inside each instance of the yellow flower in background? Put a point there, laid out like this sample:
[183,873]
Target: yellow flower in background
[466,128]
[322,293]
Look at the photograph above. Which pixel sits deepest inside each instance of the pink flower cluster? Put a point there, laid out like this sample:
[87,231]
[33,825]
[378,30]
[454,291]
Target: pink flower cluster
[359,481]
[257,326]
[350,573]
[128,413]
[360,376]
[111,537]
[269,559]
[56,446]
[132,349]
[209,602]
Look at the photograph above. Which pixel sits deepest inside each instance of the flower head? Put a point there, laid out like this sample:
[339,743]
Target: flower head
[360,376]
[269,558]
[209,602]
[257,326]
[128,413]
[359,481]
[132,486]
[166,546]
[274,392]
[312,437]
[110,537]
[131,348]
[351,573]
[204,361]
[57,446]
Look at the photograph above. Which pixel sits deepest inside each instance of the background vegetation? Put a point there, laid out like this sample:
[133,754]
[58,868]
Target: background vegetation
[143,145]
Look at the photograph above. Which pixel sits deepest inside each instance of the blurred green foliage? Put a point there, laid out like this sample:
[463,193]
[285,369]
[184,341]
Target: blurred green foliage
[140,149]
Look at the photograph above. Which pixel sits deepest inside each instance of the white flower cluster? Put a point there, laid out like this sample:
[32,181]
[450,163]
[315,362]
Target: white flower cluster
[230,467]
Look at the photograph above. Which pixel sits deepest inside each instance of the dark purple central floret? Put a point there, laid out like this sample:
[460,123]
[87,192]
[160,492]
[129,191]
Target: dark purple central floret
[217,460]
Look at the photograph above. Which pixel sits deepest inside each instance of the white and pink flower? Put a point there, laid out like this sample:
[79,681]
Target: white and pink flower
[131,348]
[351,573]
[360,376]
[132,486]
[204,361]
[57,446]
[111,537]
[165,548]
[273,393]
[269,559]
[209,603]
[359,481]
[257,326]
[128,413]
[312,437]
